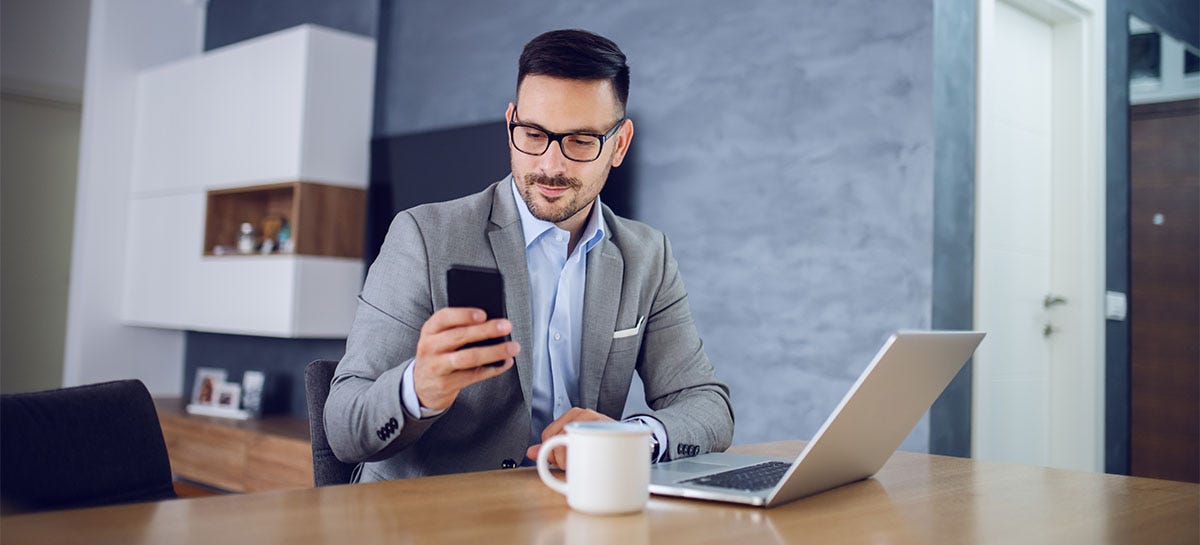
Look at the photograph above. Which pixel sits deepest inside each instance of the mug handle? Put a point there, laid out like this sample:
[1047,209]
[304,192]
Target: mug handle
[543,464]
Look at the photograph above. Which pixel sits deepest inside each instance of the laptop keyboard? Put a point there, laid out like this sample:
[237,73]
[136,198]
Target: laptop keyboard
[750,478]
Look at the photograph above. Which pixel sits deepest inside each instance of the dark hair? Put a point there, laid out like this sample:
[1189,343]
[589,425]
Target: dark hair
[576,54]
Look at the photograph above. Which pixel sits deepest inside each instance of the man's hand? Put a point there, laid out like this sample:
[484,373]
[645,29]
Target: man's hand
[576,414]
[441,370]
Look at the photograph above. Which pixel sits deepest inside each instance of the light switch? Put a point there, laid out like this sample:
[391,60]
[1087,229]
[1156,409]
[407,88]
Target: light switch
[1114,305]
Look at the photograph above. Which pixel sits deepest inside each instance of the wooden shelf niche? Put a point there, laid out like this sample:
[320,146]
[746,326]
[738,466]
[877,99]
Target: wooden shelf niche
[325,220]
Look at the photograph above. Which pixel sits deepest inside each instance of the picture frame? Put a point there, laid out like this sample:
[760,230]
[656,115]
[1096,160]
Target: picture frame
[252,392]
[228,395]
[205,387]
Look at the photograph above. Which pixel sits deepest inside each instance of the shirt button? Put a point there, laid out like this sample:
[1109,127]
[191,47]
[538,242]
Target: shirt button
[558,237]
[557,336]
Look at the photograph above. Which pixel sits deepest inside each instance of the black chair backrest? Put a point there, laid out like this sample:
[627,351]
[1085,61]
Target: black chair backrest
[327,469]
[85,446]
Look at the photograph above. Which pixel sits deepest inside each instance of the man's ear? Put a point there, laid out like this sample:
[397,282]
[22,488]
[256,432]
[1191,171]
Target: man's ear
[621,142]
[508,116]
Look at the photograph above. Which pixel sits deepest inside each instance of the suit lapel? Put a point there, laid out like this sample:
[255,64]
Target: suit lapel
[508,245]
[602,298]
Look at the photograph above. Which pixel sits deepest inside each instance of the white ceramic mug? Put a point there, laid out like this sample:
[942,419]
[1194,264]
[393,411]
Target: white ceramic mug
[608,467]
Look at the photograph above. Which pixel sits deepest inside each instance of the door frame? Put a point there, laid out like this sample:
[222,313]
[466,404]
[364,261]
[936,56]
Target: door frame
[1076,392]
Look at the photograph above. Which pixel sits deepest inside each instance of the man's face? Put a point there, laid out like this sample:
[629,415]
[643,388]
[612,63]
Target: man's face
[555,188]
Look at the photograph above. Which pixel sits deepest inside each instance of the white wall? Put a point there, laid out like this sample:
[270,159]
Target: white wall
[42,52]
[124,37]
[45,46]
[39,145]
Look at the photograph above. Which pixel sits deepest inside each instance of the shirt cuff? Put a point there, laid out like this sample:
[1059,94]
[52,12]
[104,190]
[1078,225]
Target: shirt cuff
[408,396]
[659,431]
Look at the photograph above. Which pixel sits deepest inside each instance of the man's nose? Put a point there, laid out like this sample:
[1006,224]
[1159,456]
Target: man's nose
[553,161]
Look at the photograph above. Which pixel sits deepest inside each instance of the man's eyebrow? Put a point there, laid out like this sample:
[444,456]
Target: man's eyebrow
[536,125]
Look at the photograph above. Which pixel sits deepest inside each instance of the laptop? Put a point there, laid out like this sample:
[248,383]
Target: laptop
[874,417]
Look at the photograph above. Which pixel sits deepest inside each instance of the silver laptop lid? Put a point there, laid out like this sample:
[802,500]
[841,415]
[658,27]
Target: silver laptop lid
[889,398]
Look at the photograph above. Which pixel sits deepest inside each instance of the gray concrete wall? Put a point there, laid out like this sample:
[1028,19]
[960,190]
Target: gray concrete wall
[954,82]
[786,147]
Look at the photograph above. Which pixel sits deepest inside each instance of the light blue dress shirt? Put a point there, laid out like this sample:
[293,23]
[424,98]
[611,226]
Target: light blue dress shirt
[556,287]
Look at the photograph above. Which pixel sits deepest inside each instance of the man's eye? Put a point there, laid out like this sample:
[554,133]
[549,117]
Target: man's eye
[535,135]
[581,141]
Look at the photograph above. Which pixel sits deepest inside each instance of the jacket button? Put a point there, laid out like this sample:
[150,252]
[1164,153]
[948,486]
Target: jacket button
[508,464]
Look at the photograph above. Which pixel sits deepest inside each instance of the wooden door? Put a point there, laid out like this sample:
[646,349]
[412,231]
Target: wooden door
[1164,298]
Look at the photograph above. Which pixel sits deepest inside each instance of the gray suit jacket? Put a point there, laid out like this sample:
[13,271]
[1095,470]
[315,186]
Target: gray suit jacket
[630,274]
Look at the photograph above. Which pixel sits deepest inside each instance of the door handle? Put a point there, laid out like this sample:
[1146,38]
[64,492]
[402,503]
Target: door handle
[1051,300]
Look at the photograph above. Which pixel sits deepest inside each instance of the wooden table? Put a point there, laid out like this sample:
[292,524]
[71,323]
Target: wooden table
[916,498]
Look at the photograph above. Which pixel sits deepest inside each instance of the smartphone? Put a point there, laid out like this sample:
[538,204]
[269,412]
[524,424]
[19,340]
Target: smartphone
[478,287]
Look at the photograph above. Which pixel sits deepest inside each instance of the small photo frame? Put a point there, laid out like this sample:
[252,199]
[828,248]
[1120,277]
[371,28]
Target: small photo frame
[252,392]
[208,379]
[228,395]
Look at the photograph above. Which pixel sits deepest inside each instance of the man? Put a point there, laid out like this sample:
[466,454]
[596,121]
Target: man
[591,297]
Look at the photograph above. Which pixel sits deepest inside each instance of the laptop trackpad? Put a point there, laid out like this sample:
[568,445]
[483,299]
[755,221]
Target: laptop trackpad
[695,467]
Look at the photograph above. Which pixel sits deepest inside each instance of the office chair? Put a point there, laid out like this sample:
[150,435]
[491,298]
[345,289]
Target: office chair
[327,469]
[85,446]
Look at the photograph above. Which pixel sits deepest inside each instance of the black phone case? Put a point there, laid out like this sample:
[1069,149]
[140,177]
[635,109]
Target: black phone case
[477,287]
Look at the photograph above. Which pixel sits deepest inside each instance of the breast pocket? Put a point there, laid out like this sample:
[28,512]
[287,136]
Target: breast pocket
[628,339]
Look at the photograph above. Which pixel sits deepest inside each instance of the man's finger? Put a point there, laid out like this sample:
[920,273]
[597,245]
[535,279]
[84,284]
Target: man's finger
[575,414]
[475,358]
[452,339]
[458,380]
[556,427]
[461,379]
[451,317]
[559,457]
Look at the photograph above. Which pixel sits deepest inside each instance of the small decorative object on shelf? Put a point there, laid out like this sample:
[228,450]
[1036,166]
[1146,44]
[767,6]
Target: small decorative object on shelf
[229,395]
[287,244]
[252,392]
[212,396]
[271,226]
[246,239]
[207,379]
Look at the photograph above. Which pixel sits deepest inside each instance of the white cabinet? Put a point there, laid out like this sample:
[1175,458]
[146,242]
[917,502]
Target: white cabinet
[287,107]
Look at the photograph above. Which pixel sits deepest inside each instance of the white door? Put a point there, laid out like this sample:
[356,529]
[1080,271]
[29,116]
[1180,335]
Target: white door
[1036,373]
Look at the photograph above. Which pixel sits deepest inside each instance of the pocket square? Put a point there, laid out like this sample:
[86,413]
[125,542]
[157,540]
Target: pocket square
[621,334]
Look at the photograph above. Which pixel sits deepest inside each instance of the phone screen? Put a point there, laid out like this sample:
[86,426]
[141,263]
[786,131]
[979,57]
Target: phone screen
[481,288]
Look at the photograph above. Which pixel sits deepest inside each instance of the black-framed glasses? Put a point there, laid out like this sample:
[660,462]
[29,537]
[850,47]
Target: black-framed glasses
[581,147]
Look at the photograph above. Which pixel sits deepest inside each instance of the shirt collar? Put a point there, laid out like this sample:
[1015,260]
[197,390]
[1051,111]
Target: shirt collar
[533,228]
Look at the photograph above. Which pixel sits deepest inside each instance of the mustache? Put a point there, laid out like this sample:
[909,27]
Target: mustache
[552,181]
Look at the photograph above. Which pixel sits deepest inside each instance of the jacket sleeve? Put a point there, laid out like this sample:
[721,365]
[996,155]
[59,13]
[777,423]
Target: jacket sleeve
[681,384]
[364,416]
